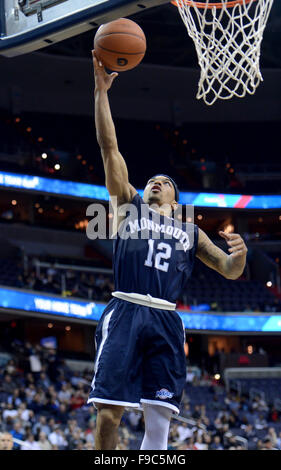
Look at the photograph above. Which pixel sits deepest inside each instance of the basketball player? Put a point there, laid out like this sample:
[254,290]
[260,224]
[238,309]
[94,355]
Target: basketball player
[140,337]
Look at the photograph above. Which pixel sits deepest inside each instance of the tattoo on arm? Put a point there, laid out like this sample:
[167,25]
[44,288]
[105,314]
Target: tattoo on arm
[210,254]
[228,266]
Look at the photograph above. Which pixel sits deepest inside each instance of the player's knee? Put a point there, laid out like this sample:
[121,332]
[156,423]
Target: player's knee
[109,419]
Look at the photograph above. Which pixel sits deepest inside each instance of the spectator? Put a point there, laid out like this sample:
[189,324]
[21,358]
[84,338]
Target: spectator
[10,367]
[74,438]
[17,432]
[259,444]
[6,441]
[278,441]
[90,433]
[273,414]
[197,412]
[260,422]
[8,386]
[24,413]
[267,444]
[134,418]
[216,444]
[62,413]
[35,364]
[56,407]
[199,444]
[43,442]
[65,393]
[89,446]
[43,380]
[77,400]
[183,432]
[9,412]
[30,443]
[15,399]
[57,438]
[272,436]
[248,431]
[41,426]
[37,405]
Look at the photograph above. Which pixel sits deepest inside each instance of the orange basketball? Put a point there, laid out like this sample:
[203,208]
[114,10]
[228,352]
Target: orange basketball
[120,45]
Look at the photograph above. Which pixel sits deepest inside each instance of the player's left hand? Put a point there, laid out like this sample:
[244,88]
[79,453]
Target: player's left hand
[236,244]
[103,80]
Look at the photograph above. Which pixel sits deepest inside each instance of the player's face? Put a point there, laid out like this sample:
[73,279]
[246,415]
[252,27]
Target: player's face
[159,190]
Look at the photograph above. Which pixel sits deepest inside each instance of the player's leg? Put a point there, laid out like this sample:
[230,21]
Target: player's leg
[157,424]
[107,424]
[164,372]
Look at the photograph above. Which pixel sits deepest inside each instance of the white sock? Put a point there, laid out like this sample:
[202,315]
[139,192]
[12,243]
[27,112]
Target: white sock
[157,423]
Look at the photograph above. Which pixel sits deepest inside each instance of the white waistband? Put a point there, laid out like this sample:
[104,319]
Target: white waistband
[146,300]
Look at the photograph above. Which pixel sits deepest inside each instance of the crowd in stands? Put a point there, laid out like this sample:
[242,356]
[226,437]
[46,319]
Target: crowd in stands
[180,151]
[70,283]
[43,406]
[205,287]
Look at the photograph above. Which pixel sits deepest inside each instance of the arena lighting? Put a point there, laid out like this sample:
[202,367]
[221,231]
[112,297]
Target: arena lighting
[57,166]
[94,192]
[269,284]
[217,376]
[14,202]
[229,228]
[44,156]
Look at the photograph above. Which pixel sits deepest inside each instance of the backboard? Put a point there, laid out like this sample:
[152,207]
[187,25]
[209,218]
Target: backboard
[29,25]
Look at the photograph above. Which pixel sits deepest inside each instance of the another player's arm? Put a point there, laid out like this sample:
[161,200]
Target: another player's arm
[230,265]
[116,173]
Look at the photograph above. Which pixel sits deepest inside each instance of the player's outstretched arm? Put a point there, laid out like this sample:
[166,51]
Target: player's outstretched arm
[116,173]
[230,266]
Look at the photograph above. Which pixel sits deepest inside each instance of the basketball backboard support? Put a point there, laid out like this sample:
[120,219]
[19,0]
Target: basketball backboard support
[29,25]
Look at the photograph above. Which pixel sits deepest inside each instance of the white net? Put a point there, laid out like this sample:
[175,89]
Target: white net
[227,36]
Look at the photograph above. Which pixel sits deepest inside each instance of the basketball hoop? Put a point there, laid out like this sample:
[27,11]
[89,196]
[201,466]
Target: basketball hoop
[227,37]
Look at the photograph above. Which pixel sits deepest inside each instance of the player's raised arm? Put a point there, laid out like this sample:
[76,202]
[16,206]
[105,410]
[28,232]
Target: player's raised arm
[230,266]
[116,173]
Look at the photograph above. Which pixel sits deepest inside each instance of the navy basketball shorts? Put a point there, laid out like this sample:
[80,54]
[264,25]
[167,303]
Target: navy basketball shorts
[140,356]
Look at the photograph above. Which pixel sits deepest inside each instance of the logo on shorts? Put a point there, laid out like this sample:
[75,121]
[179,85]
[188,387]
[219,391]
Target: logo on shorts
[163,394]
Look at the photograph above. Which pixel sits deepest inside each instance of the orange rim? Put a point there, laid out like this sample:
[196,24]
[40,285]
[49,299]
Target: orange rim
[219,5]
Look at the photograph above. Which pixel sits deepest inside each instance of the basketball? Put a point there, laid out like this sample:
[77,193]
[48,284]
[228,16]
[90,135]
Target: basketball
[120,45]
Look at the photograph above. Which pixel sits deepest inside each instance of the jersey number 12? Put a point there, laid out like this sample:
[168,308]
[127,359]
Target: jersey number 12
[163,252]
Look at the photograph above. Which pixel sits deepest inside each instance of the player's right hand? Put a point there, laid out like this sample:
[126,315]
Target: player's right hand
[103,80]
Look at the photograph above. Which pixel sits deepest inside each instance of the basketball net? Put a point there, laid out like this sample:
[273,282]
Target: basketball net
[227,37]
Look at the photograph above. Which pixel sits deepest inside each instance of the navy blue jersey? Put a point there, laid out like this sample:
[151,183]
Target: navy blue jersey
[153,254]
